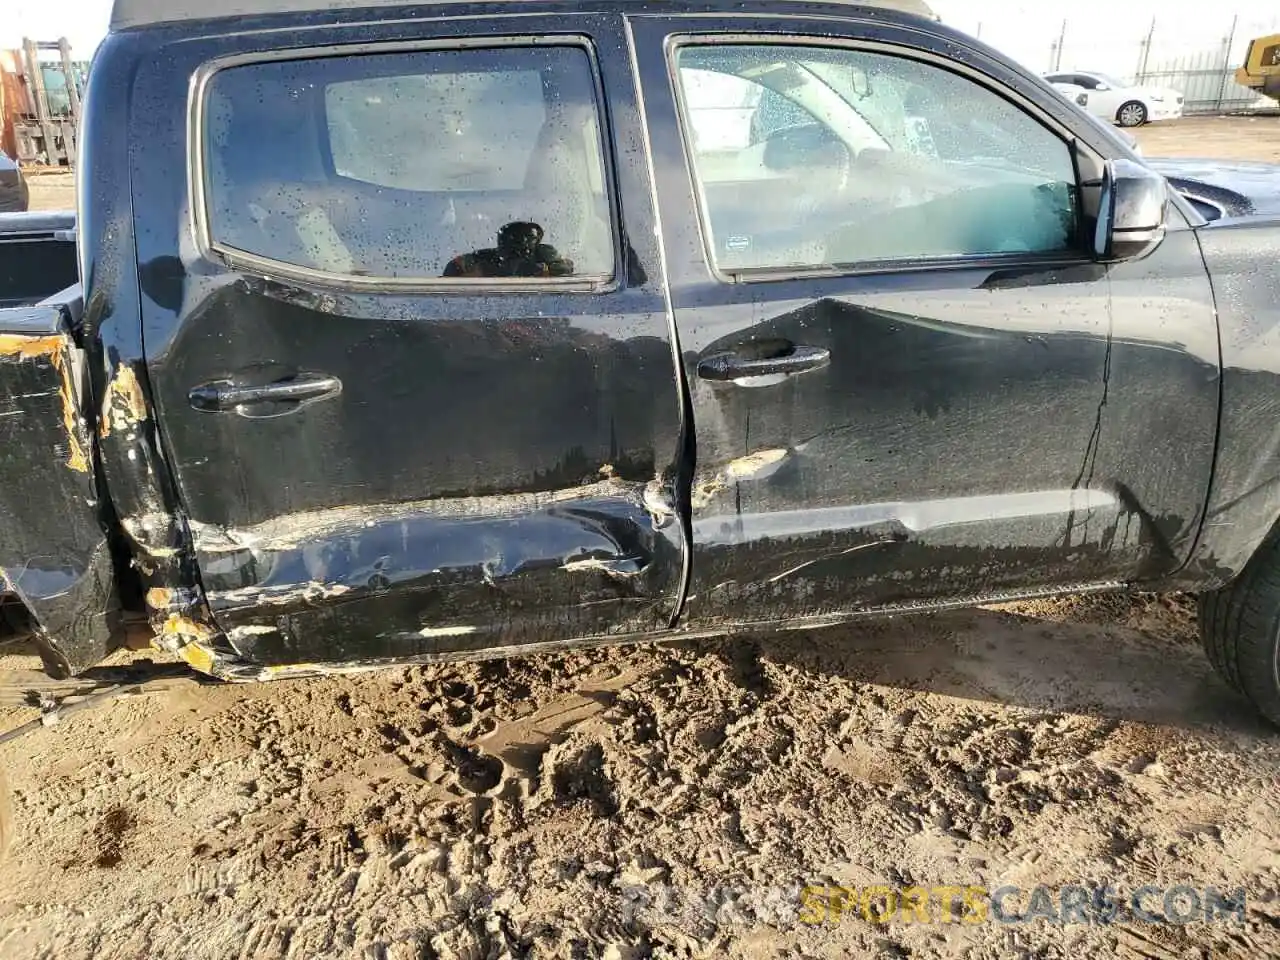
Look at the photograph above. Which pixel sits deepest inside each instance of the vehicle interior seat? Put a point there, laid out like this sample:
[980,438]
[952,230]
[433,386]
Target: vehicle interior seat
[253,207]
[565,190]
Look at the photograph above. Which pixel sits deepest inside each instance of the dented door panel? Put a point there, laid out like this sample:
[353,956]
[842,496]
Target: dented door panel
[938,459]
[458,575]
[969,432]
[943,451]
[480,470]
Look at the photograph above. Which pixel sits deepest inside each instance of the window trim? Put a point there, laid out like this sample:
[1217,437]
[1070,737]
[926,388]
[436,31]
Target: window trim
[675,42]
[236,259]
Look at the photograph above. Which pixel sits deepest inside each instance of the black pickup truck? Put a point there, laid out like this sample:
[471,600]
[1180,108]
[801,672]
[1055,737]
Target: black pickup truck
[411,331]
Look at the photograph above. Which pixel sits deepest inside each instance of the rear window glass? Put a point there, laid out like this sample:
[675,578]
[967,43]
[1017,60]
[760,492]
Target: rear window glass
[447,164]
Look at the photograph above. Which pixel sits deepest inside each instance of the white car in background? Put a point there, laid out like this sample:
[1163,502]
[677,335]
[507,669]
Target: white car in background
[1118,102]
[1080,97]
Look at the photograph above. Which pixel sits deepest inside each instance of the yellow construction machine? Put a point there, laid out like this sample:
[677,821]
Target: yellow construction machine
[1261,70]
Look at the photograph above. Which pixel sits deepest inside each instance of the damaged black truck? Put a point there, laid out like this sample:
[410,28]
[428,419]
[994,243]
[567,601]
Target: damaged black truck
[412,331]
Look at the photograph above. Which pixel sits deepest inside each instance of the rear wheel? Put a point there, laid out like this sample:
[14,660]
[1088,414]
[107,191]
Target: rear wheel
[1132,114]
[1240,628]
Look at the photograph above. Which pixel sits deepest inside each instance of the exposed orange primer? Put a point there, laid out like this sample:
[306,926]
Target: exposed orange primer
[184,628]
[198,657]
[159,598]
[24,347]
[77,458]
[125,405]
[54,347]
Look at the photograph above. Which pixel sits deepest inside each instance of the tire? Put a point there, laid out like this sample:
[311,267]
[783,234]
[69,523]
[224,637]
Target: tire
[1133,113]
[1240,629]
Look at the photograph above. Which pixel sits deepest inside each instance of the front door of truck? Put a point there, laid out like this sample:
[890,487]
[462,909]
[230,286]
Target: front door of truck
[908,384]
[408,339]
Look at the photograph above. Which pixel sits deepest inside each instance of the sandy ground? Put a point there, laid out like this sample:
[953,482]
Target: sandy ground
[664,801]
[1227,138]
[670,801]
[52,191]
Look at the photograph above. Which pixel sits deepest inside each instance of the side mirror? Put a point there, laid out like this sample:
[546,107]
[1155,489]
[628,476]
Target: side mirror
[1131,212]
[1102,87]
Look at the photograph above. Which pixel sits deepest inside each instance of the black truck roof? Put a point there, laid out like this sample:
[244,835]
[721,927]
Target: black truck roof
[130,14]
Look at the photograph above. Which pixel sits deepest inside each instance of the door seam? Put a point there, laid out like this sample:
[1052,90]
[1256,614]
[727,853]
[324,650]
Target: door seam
[686,444]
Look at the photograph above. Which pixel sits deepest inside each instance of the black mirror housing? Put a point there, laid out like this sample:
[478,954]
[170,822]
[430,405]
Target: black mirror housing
[1131,212]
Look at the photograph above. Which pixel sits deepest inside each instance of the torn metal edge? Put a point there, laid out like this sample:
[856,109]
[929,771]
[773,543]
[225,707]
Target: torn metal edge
[201,655]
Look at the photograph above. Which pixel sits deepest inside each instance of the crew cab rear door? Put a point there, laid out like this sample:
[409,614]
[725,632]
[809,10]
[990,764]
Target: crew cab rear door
[406,329]
[911,382]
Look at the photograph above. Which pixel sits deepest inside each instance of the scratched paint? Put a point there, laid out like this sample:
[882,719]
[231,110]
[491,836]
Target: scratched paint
[291,531]
[250,630]
[390,581]
[55,349]
[457,631]
[599,565]
[72,422]
[752,466]
[125,405]
[24,347]
[160,598]
[286,594]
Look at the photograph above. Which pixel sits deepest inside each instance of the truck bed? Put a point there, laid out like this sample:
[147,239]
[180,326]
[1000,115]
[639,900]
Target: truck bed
[37,258]
[53,550]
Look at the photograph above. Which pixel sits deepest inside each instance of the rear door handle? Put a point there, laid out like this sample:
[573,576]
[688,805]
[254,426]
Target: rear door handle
[792,359]
[223,395]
